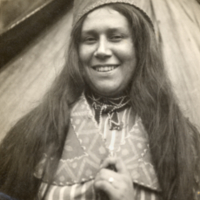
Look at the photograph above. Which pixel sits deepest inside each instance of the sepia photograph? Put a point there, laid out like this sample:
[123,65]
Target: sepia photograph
[100,100]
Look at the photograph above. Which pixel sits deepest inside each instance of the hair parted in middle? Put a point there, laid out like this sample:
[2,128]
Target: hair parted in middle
[153,100]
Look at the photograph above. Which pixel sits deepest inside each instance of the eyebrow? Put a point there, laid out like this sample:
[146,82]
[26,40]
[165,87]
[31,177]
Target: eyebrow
[110,30]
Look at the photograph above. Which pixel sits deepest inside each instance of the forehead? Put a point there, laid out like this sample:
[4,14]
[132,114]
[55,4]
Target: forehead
[105,17]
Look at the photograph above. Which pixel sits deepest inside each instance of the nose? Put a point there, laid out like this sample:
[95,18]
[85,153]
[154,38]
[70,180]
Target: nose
[103,50]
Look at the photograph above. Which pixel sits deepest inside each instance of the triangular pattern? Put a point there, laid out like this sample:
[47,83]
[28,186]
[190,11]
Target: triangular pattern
[85,148]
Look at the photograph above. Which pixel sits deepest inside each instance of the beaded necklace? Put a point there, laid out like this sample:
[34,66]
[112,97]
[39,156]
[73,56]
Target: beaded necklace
[109,106]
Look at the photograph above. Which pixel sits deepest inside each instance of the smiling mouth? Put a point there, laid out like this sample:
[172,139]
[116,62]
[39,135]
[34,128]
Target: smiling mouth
[106,68]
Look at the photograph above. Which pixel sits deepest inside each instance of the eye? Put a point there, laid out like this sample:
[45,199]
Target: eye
[89,40]
[116,37]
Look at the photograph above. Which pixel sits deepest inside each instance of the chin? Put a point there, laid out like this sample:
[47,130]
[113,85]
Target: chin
[108,92]
[106,89]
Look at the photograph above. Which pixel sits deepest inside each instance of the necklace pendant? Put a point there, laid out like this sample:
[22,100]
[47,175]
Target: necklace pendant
[115,123]
[117,127]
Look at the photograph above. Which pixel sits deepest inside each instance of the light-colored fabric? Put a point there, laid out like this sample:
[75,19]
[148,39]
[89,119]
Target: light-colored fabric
[83,7]
[86,192]
[88,143]
[177,25]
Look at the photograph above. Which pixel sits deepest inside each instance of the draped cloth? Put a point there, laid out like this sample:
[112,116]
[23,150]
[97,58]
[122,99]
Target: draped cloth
[88,143]
[177,27]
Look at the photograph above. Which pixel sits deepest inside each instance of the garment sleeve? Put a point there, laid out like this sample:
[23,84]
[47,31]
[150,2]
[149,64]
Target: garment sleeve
[81,191]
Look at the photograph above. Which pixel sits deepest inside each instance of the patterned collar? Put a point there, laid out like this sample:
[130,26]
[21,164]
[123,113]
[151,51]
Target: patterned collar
[85,148]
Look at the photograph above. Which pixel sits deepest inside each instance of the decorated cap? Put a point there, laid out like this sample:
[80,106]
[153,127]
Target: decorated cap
[82,7]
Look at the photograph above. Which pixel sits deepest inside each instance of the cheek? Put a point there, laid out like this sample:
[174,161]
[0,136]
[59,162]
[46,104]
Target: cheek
[126,52]
[85,54]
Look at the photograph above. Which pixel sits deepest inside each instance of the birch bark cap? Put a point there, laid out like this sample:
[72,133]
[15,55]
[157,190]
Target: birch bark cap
[83,7]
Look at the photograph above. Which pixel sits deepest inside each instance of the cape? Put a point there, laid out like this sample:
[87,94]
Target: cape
[85,148]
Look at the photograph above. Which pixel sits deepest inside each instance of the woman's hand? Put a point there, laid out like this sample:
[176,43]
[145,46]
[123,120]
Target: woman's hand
[117,185]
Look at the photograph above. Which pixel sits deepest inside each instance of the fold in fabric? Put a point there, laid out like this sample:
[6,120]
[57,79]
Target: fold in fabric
[85,148]
[177,25]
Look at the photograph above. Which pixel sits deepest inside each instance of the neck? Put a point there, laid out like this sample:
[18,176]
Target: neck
[109,106]
[90,92]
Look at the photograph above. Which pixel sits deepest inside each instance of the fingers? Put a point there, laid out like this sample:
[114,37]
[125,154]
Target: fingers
[116,186]
[107,182]
[117,163]
[106,187]
[109,177]
[115,179]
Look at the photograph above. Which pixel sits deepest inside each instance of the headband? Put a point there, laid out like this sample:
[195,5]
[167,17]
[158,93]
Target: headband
[83,7]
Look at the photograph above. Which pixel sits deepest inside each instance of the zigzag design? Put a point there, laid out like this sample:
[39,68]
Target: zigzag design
[86,136]
[74,175]
[146,170]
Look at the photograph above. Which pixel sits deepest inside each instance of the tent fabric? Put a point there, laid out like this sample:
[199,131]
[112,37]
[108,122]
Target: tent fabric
[14,12]
[177,25]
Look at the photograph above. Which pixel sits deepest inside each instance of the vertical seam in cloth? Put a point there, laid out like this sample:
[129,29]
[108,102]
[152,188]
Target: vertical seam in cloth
[113,139]
[105,128]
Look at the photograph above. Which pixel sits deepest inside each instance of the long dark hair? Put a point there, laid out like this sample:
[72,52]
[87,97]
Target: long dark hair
[174,141]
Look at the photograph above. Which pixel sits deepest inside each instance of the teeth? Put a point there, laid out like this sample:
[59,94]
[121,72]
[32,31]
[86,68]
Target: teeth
[105,68]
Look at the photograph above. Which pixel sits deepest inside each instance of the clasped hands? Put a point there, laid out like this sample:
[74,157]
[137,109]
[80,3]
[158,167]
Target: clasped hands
[114,180]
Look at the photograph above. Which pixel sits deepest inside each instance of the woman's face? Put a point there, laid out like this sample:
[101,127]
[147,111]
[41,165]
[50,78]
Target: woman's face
[107,51]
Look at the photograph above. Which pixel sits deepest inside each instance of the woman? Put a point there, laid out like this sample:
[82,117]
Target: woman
[110,127]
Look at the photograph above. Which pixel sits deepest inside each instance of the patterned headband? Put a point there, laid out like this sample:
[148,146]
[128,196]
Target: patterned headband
[82,7]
